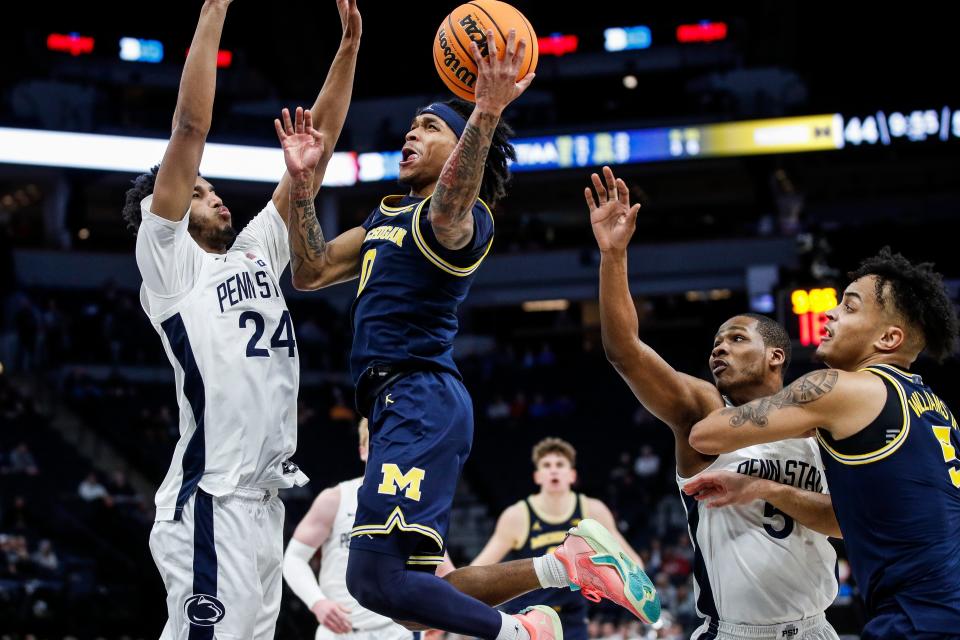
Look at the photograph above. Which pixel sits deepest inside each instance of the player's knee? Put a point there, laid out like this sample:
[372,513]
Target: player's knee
[369,581]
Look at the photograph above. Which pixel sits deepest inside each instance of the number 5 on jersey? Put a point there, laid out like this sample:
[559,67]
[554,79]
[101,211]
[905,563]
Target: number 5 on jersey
[949,452]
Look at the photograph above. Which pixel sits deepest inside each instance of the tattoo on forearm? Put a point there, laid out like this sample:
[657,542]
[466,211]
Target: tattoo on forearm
[806,389]
[306,239]
[460,180]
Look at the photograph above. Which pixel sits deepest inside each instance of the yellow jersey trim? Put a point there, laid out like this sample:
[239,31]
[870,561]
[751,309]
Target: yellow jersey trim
[433,257]
[387,210]
[895,369]
[584,511]
[397,521]
[889,448]
[573,510]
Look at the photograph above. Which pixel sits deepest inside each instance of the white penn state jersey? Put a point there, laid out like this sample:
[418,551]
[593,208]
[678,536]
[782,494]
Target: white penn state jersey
[333,563]
[753,564]
[228,335]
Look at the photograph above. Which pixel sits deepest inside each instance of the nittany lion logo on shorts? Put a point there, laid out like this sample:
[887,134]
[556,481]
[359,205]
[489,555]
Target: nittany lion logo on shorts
[203,610]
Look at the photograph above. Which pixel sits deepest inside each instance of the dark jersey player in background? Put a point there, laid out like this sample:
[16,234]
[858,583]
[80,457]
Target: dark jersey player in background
[889,444]
[538,524]
[416,256]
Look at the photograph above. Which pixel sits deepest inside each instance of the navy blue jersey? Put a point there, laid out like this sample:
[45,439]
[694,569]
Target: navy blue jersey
[896,491]
[411,286]
[543,536]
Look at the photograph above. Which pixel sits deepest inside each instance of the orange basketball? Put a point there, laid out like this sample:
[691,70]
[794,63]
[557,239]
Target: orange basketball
[470,21]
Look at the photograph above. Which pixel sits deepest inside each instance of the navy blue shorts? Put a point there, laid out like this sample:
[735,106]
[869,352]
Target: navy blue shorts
[421,430]
[897,625]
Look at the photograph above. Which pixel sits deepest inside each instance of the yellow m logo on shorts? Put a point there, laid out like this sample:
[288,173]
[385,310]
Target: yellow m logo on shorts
[408,482]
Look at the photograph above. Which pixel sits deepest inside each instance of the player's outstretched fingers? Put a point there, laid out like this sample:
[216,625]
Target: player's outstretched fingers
[611,183]
[587,193]
[601,191]
[299,120]
[287,123]
[511,51]
[492,52]
[279,128]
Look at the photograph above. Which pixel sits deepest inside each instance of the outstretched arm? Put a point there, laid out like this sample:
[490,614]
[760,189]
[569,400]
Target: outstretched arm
[724,488]
[329,111]
[173,188]
[841,402]
[459,184]
[675,398]
[314,262]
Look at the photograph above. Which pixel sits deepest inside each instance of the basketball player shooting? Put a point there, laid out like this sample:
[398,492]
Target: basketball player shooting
[416,256]
[762,566]
[889,443]
[214,298]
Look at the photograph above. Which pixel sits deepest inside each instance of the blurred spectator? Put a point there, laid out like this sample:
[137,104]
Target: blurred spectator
[498,409]
[17,516]
[22,461]
[91,490]
[647,464]
[45,558]
[121,491]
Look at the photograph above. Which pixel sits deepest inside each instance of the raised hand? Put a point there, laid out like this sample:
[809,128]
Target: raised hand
[723,488]
[497,84]
[611,216]
[350,18]
[302,144]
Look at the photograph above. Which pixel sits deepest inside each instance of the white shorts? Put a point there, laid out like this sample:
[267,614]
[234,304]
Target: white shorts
[812,628]
[221,564]
[388,632]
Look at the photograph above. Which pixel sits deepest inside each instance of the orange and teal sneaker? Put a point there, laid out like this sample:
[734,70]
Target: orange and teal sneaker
[541,622]
[598,567]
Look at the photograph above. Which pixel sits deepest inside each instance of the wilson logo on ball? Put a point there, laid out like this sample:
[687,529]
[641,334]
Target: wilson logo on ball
[469,23]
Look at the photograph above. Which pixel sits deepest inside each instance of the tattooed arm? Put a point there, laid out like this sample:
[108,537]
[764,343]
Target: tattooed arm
[841,402]
[314,262]
[459,182]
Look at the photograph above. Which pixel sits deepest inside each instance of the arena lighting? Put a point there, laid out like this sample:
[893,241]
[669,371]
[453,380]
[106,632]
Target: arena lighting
[810,308]
[627,38]
[123,153]
[224,57]
[557,44]
[705,31]
[138,50]
[546,305]
[72,43]
[824,132]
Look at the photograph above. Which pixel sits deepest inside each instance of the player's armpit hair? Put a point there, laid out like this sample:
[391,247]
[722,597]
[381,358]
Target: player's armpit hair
[918,295]
[142,187]
[496,171]
[805,389]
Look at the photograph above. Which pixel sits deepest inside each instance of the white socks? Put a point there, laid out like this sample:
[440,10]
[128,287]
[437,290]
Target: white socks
[511,629]
[550,572]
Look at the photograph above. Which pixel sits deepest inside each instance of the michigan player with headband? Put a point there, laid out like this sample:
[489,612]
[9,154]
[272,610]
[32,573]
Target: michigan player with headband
[214,298]
[539,523]
[889,443]
[416,256]
[764,567]
[326,527]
